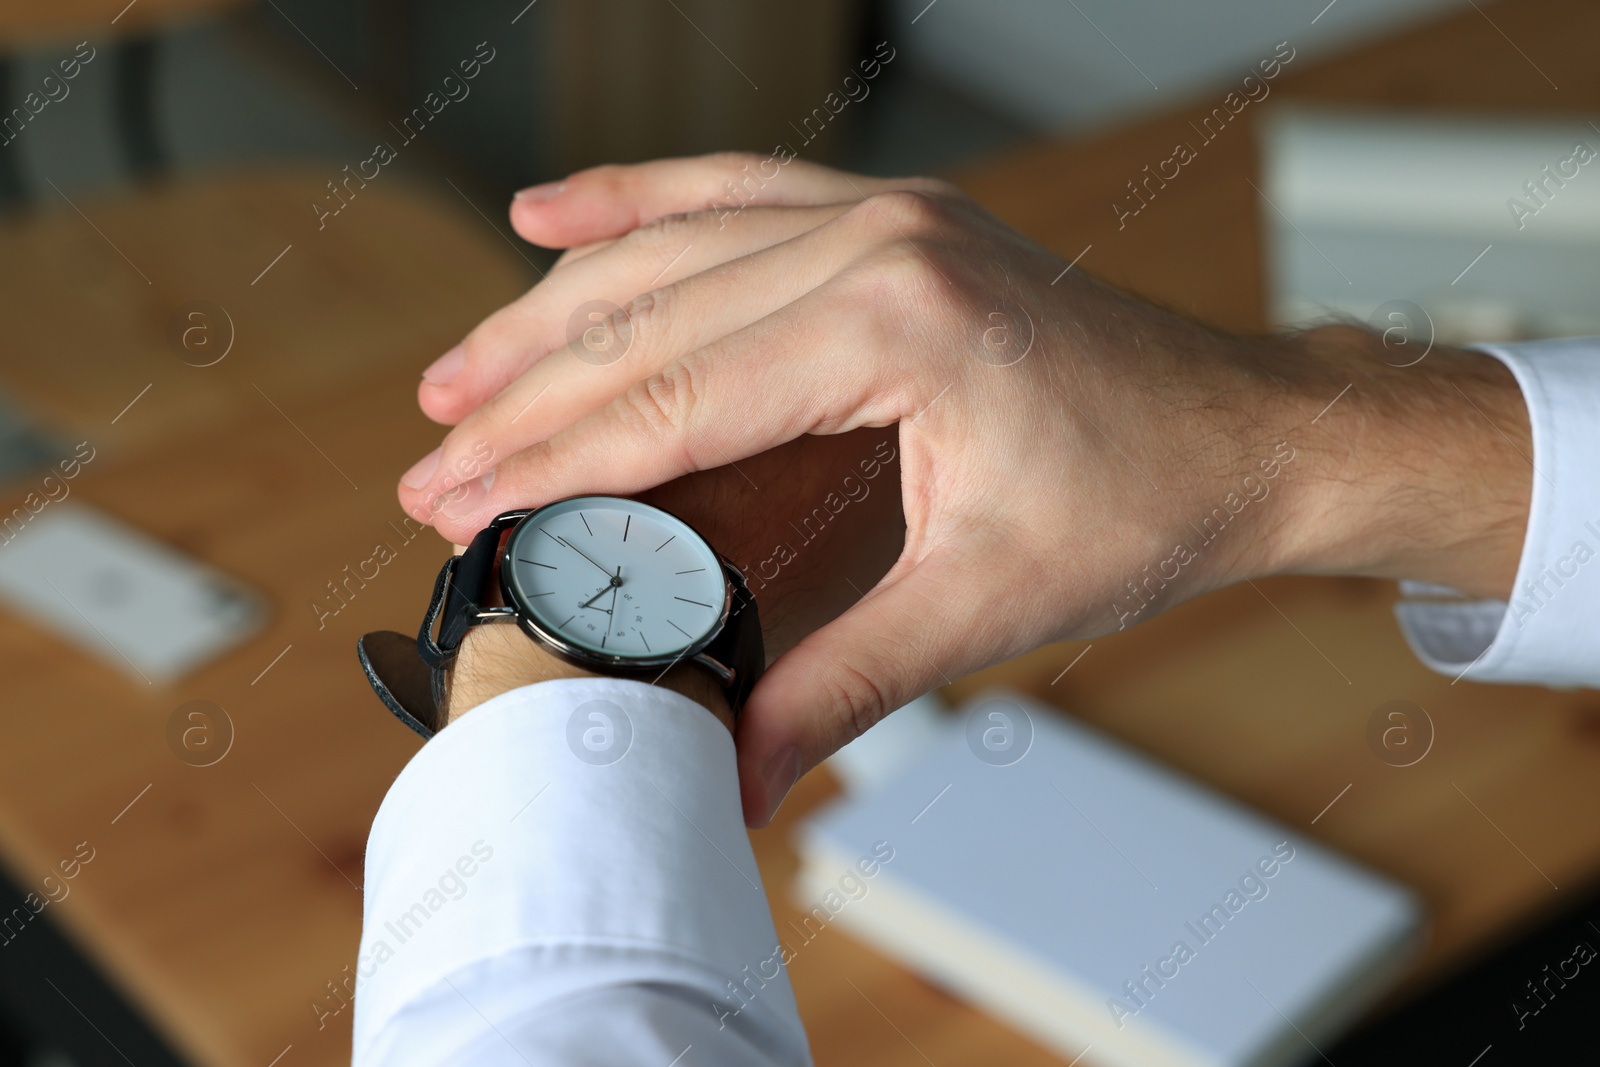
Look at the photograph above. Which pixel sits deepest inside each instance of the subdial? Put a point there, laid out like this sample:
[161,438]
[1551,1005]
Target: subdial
[628,622]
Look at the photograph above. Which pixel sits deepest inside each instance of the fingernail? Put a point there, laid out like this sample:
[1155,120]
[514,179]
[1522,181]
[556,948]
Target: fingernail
[418,476]
[443,370]
[779,777]
[467,497]
[536,193]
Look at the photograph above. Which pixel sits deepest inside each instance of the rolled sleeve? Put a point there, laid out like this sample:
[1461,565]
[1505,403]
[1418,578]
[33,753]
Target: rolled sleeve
[1548,633]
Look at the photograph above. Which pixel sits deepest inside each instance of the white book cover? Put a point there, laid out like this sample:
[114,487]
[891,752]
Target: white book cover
[1102,903]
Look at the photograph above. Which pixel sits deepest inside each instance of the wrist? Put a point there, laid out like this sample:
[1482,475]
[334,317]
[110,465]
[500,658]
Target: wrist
[497,658]
[1419,471]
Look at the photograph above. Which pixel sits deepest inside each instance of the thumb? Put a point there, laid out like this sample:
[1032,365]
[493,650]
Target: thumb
[912,632]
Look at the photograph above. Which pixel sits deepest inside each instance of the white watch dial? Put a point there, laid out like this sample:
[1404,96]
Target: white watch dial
[616,577]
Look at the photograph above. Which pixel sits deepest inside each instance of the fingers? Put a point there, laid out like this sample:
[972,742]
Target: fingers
[911,633]
[556,312]
[806,368]
[577,252]
[609,201]
[796,371]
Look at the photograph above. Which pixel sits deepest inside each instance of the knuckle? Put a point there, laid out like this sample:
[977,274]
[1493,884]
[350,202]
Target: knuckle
[601,333]
[662,240]
[664,402]
[904,262]
[540,460]
[910,212]
[902,275]
[642,309]
[858,700]
[662,230]
[637,323]
[613,176]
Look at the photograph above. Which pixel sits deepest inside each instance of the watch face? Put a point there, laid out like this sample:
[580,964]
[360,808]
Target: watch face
[615,578]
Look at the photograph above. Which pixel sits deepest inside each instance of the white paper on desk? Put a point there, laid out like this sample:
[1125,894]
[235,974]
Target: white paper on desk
[124,597]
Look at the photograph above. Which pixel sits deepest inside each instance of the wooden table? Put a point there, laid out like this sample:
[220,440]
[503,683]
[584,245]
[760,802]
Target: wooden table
[225,898]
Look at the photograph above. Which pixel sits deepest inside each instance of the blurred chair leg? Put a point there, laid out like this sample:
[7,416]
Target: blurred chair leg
[134,98]
[12,192]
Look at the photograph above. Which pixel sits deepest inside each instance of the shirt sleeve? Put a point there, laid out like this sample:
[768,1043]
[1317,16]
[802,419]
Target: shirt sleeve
[563,877]
[1549,631]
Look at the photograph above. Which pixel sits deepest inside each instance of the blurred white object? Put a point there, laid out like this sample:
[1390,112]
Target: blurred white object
[1091,62]
[1090,896]
[1491,229]
[897,741]
[115,592]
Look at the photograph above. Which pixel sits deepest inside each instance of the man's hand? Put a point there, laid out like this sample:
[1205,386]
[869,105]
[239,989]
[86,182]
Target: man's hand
[1071,460]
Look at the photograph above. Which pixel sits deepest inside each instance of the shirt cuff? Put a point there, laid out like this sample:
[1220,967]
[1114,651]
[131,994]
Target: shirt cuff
[565,838]
[1549,632]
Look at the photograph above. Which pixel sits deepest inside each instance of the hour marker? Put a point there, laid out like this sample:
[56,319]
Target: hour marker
[535,596]
[625,527]
[647,647]
[535,562]
[697,570]
[686,600]
[585,523]
[680,629]
[667,542]
[574,615]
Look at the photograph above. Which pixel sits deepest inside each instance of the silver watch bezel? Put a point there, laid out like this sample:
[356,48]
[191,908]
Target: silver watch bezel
[529,624]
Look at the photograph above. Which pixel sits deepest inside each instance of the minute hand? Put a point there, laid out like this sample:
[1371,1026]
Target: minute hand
[580,552]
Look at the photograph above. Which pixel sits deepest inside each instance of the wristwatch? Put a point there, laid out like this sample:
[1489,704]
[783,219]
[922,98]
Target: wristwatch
[608,584]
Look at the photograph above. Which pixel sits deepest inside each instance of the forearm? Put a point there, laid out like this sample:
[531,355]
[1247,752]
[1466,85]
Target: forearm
[1421,472]
[1322,452]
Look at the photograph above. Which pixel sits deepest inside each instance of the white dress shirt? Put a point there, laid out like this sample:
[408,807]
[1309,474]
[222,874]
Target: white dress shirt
[548,887]
[534,898]
[1549,632]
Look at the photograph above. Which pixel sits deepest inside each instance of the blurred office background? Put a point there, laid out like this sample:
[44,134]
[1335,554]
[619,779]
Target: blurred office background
[192,146]
[619,80]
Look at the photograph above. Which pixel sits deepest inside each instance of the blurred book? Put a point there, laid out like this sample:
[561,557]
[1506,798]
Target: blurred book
[1489,228]
[1101,903]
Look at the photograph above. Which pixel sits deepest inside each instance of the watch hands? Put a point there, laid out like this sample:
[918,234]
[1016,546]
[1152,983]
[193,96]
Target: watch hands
[616,583]
[603,590]
[580,552]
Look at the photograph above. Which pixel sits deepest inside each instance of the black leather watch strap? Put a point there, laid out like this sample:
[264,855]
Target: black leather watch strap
[739,645]
[408,674]
[402,681]
[458,595]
